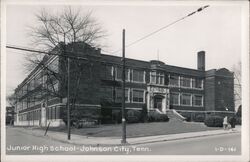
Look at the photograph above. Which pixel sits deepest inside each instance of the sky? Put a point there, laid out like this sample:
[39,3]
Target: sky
[216,30]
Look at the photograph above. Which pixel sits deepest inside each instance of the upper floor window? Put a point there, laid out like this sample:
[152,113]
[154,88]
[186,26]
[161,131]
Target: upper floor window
[174,80]
[24,89]
[25,103]
[138,95]
[119,73]
[38,80]
[186,99]
[157,77]
[107,72]
[197,83]
[138,76]
[53,87]
[186,82]
[54,65]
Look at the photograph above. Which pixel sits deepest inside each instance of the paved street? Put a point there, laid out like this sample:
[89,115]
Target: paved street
[228,144]
[19,142]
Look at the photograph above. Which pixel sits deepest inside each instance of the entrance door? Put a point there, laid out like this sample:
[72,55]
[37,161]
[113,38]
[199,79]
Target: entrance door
[158,102]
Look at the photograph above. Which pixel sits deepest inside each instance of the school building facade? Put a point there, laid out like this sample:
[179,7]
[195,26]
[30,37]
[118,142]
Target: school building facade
[96,83]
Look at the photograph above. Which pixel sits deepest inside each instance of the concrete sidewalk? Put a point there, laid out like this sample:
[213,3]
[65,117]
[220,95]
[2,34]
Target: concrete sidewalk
[85,140]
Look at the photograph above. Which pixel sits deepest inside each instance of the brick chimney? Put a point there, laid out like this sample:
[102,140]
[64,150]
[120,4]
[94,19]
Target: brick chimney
[201,60]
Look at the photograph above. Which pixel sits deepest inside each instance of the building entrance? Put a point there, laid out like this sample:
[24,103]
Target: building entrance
[157,98]
[158,102]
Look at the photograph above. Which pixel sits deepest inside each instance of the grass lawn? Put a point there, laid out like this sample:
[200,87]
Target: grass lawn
[139,129]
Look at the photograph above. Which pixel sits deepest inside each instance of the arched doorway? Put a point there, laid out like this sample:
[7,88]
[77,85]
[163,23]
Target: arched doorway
[158,102]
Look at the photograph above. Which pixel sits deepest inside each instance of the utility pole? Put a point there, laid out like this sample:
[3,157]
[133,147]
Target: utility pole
[123,141]
[68,97]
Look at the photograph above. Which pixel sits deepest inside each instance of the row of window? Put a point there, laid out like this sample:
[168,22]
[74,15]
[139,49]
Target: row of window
[186,99]
[31,101]
[51,113]
[41,78]
[156,77]
[186,82]
[131,95]
[32,115]
[110,73]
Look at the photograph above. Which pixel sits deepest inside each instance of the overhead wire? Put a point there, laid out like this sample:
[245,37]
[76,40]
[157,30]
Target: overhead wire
[162,28]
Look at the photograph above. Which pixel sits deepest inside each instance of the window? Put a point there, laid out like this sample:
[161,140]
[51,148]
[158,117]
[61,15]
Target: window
[53,113]
[24,89]
[107,72]
[138,96]
[31,101]
[197,83]
[186,82]
[25,103]
[186,99]
[53,87]
[32,85]
[118,93]
[157,77]
[119,74]
[138,76]
[174,99]
[153,77]
[174,80]
[198,100]
[54,65]
[106,93]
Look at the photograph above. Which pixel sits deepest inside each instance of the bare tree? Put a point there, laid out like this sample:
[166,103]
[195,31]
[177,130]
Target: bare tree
[11,99]
[237,83]
[54,33]
[68,26]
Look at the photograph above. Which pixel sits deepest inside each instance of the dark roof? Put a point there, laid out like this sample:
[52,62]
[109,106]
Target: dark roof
[147,65]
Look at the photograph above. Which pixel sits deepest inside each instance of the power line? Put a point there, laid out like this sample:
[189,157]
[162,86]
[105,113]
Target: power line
[47,53]
[158,30]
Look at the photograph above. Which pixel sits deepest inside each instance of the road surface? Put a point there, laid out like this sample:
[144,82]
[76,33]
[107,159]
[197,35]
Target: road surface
[20,143]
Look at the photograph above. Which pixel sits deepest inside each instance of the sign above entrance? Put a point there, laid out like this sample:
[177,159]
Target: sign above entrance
[158,89]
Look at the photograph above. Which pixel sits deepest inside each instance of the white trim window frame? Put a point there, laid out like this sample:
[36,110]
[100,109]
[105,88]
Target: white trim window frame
[120,79]
[185,80]
[178,95]
[153,74]
[194,82]
[171,80]
[126,89]
[202,100]
[190,99]
[107,72]
[144,78]
[159,78]
[137,89]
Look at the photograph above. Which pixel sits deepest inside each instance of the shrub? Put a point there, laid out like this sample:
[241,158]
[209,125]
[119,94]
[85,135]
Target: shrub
[238,120]
[133,119]
[186,115]
[106,119]
[156,117]
[199,118]
[144,114]
[133,116]
[214,121]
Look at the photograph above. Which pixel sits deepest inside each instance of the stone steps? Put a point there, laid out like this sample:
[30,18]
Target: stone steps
[173,114]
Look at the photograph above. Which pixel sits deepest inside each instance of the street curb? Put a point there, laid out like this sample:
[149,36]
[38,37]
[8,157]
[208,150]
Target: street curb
[163,139]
